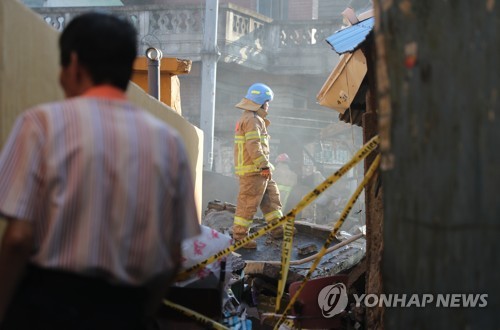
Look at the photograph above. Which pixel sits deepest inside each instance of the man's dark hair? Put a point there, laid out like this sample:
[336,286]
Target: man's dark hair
[105,44]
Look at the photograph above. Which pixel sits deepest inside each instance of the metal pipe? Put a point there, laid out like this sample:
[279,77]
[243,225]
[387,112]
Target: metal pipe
[154,56]
[209,56]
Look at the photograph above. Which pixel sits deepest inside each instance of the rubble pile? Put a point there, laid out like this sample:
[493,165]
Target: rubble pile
[252,290]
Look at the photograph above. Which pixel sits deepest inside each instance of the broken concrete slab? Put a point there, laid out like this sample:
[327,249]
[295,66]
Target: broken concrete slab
[271,271]
[307,249]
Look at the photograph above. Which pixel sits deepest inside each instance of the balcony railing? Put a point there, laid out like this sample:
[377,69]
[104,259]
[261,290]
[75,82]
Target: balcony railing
[244,37]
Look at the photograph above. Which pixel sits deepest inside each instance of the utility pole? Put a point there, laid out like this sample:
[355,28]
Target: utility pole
[209,57]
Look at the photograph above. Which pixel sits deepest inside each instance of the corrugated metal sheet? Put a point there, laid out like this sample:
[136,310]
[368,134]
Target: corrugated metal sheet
[349,39]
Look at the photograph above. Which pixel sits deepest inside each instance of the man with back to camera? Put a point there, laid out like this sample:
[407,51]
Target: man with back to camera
[97,193]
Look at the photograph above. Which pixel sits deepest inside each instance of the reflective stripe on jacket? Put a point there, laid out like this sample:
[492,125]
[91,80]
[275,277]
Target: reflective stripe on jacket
[251,144]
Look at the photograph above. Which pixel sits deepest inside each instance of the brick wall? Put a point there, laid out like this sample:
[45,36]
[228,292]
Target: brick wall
[300,9]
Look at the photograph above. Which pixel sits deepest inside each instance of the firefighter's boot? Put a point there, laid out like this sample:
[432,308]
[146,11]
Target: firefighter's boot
[239,233]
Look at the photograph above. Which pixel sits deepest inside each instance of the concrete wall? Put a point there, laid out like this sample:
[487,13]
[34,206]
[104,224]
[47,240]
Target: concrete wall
[298,9]
[29,75]
[438,80]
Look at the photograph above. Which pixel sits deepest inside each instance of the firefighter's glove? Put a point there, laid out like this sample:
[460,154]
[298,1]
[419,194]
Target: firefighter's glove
[266,172]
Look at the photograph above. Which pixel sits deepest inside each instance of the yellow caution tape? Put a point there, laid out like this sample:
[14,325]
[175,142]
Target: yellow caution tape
[238,244]
[286,256]
[289,323]
[202,319]
[329,240]
[288,239]
[306,200]
[286,253]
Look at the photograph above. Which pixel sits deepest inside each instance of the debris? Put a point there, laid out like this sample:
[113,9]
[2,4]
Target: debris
[306,249]
[256,273]
[221,221]
[217,205]
[262,268]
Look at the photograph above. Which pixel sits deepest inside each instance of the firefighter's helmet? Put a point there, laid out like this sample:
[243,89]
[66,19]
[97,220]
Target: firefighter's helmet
[259,93]
[282,158]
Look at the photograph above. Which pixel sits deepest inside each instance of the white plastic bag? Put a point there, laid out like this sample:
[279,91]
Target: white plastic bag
[200,248]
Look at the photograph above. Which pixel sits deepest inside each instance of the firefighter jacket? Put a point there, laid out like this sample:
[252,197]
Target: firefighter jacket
[286,179]
[251,144]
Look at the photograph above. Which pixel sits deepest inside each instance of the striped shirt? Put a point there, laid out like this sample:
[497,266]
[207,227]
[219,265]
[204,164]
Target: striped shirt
[106,186]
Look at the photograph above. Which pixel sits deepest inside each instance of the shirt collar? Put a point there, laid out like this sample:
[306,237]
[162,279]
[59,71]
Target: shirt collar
[105,91]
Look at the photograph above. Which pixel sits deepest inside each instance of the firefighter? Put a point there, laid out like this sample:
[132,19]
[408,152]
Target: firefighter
[284,177]
[252,165]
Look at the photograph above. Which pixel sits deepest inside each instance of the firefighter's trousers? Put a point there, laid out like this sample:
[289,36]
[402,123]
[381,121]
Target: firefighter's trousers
[256,191]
